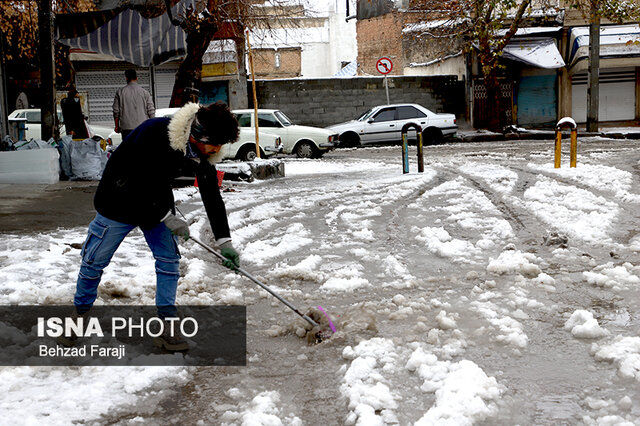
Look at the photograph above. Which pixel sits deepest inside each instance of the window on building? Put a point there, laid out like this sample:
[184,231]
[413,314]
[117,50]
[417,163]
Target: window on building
[277,60]
[244,120]
[388,114]
[409,112]
[268,120]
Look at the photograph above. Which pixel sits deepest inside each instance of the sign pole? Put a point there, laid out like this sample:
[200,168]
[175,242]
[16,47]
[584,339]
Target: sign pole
[386,86]
[384,67]
[255,97]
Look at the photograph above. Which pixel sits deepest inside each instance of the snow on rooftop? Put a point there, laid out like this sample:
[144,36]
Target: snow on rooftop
[430,25]
[540,53]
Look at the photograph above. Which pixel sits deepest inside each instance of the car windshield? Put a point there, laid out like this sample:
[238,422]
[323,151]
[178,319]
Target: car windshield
[283,118]
[365,115]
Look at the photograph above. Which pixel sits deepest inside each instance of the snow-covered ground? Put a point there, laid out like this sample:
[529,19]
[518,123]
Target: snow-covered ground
[491,289]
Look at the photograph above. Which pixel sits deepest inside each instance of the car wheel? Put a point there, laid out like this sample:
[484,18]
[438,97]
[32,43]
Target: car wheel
[431,136]
[305,149]
[349,140]
[247,153]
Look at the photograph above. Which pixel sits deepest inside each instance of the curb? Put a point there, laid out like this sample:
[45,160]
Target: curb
[551,135]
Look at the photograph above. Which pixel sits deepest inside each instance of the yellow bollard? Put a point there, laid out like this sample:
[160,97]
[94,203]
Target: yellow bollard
[566,122]
[574,148]
[558,153]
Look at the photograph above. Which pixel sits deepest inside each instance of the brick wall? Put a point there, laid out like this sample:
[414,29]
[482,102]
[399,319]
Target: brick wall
[378,37]
[323,102]
[288,66]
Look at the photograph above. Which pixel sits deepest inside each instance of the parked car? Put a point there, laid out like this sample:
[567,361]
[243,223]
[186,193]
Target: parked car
[34,126]
[244,148]
[385,123]
[303,141]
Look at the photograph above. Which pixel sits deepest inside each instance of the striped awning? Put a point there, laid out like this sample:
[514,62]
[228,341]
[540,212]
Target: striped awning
[130,37]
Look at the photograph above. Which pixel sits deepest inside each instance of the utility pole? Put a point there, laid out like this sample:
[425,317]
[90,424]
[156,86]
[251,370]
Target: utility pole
[593,92]
[47,69]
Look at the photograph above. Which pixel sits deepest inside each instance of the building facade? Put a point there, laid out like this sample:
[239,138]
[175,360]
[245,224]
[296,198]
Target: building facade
[304,41]
[544,66]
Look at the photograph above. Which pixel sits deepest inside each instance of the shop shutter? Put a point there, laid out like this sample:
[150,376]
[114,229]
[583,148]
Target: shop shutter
[537,100]
[101,85]
[617,95]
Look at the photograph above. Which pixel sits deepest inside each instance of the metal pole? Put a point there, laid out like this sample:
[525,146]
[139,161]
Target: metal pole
[47,70]
[405,154]
[593,91]
[255,97]
[152,83]
[558,151]
[386,87]
[420,154]
[255,280]
[574,148]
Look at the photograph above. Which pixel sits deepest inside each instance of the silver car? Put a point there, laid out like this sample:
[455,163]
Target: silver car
[385,123]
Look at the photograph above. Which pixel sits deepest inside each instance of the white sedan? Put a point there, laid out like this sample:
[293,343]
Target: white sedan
[244,148]
[303,141]
[33,126]
[385,123]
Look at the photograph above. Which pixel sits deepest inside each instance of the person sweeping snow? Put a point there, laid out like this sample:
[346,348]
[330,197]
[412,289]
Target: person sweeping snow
[135,191]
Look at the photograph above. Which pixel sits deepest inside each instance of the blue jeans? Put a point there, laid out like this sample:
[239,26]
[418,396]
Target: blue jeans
[104,238]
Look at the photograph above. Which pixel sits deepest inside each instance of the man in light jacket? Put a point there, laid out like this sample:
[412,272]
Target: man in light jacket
[132,105]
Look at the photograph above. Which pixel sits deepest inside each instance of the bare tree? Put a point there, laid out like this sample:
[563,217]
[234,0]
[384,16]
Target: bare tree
[486,26]
[226,19]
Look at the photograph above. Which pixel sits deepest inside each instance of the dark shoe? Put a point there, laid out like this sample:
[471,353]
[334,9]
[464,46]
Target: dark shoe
[72,339]
[171,343]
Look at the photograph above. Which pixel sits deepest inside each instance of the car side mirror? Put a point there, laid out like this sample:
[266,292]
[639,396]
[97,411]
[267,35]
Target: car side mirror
[370,120]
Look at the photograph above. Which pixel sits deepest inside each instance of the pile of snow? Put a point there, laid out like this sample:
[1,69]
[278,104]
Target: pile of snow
[260,252]
[469,209]
[307,269]
[312,167]
[573,210]
[446,322]
[615,277]
[515,261]
[584,326]
[509,331]
[364,384]
[602,178]
[261,410]
[346,279]
[499,178]
[624,352]
[439,242]
[464,393]
[85,394]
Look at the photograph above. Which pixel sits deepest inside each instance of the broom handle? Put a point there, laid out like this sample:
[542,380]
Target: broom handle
[255,280]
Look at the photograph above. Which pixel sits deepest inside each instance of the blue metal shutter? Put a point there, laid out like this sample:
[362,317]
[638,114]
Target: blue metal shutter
[537,100]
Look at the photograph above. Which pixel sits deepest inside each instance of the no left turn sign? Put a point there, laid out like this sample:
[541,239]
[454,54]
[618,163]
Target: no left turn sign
[384,65]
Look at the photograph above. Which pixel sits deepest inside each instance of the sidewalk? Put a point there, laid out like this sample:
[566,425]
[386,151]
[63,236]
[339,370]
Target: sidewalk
[519,133]
[35,208]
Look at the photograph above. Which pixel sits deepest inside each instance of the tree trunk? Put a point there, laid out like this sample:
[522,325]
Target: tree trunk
[593,92]
[189,75]
[492,84]
[47,70]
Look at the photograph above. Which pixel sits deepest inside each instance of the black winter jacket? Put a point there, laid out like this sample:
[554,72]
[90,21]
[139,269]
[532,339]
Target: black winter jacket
[136,184]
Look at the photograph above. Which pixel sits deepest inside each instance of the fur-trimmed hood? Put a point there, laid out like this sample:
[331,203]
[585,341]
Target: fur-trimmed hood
[180,128]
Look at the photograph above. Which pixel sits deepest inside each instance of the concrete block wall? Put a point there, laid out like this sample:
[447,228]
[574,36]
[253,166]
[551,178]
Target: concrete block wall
[323,102]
